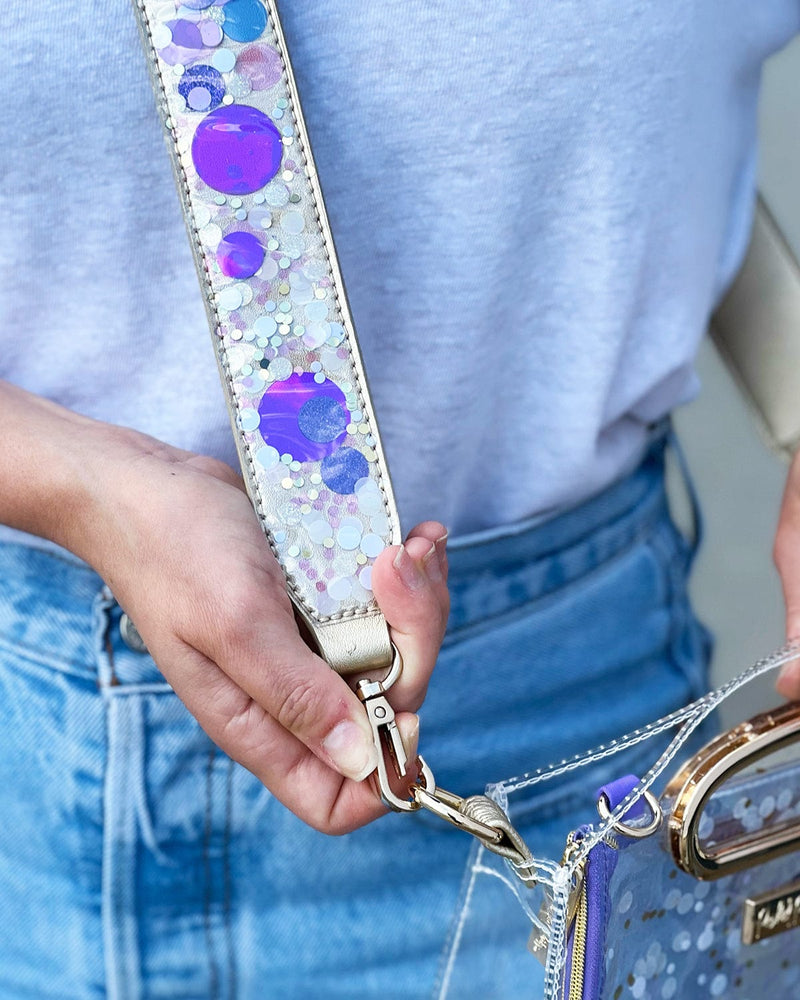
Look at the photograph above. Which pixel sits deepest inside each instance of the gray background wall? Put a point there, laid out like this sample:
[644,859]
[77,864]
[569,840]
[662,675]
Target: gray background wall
[736,589]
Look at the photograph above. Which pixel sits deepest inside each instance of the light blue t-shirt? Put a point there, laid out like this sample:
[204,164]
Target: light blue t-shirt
[536,203]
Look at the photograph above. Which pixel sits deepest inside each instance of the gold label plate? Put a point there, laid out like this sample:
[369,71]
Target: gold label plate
[771,913]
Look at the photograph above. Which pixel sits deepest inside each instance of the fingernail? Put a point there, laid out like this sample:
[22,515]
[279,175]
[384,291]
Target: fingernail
[409,572]
[410,737]
[431,565]
[352,752]
[441,549]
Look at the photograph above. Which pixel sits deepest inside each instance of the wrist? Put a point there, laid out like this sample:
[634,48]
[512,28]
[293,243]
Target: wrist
[57,469]
[88,486]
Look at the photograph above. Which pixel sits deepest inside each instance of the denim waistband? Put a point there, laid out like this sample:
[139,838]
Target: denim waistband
[502,567]
[534,537]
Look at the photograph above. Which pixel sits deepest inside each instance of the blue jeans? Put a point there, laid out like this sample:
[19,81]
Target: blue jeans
[137,861]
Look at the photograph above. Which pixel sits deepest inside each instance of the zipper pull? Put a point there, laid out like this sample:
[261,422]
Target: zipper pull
[539,939]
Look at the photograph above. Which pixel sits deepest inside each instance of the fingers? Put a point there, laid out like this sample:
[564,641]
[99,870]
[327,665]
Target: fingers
[787,560]
[786,553]
[244,730]
[410,586]
[187,560]
[356,804]
[302,781]
[259,649]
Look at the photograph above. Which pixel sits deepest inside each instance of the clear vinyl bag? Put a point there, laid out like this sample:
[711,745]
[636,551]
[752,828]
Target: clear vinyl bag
[685,884]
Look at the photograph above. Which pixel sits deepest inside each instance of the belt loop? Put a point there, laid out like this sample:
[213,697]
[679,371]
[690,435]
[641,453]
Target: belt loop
[695,537]
[101,626]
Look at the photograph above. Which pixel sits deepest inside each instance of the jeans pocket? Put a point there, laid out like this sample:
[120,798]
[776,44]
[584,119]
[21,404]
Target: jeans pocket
[562,673]
[52,765]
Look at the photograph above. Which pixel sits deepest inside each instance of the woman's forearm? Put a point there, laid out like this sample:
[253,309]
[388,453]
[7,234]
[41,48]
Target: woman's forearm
[175,538]
[50,466]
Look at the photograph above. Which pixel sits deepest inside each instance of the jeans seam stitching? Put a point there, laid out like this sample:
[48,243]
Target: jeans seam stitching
[679,612]
[34,657]
[227,884]
[213,973]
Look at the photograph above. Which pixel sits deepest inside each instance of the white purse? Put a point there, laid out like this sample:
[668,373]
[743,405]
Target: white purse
[756,330]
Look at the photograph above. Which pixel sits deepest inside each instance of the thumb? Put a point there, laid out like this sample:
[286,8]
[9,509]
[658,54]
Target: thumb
[786,554]
[408,725]
[410,585]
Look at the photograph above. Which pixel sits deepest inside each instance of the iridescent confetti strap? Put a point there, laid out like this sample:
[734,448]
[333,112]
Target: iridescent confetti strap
[284,339]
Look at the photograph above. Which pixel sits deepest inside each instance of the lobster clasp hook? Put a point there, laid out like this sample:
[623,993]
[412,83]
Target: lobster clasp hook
[387,739]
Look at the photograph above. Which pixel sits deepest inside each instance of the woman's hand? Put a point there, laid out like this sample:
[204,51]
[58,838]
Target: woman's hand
[175,537]
[786,553]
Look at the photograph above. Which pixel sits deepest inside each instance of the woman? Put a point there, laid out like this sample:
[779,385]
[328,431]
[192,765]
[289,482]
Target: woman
[536,213]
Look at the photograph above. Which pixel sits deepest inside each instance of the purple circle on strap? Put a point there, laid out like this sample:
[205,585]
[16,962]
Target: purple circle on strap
[343,469]
[211,33]
[186,34]
[286,419]
[187,44]
[240,255]
[236,149]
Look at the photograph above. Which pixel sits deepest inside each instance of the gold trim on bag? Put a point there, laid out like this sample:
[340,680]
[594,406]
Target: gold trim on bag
[717,762]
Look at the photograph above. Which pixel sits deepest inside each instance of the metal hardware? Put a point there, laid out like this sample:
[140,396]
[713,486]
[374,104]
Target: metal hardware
[577,915]
[771,913]
[130,635]
[579,946]
[478,814]
[387,739]
[447,806]
[692,787]
[579,873]
[484,819]
[625,829]
[394,670]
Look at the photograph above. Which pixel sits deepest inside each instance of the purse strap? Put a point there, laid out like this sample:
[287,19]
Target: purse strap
[291,370]
[283,335]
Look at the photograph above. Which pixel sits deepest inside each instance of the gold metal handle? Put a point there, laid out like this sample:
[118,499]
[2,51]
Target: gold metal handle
[717,762]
